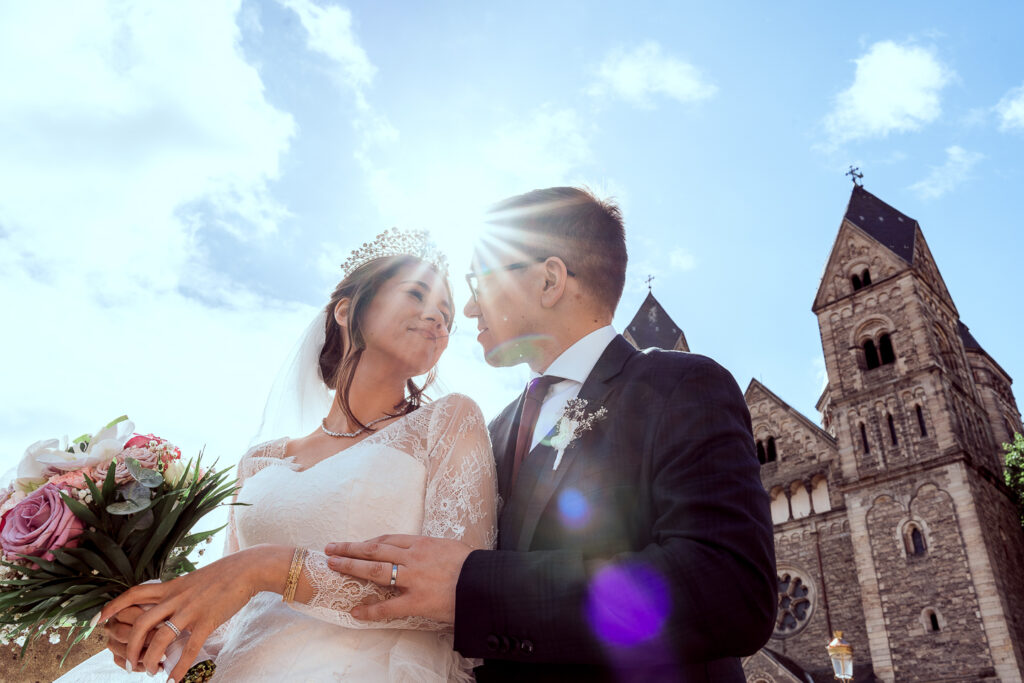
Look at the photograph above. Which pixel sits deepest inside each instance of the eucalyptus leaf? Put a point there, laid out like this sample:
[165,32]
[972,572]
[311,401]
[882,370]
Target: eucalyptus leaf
[137,492]
[127,507]
[148,478]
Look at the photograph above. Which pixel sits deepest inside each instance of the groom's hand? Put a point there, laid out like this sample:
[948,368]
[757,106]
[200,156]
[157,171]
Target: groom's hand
[428,570]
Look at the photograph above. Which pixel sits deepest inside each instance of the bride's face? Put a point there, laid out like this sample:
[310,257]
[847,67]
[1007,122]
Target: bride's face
[409,319]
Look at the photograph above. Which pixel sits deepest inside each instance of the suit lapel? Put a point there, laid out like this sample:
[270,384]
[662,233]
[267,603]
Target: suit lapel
[595,391]
[503,441]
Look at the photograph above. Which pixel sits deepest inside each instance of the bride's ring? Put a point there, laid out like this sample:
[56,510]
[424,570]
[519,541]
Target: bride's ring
[168,624]
[394,574]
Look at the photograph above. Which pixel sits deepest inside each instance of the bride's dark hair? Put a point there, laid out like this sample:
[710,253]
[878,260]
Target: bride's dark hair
[338,362]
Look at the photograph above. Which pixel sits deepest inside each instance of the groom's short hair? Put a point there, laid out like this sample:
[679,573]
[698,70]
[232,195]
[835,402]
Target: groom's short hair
[587,233]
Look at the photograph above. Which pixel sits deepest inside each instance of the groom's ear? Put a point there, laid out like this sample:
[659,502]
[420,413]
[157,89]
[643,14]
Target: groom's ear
[341,313]
[555,279]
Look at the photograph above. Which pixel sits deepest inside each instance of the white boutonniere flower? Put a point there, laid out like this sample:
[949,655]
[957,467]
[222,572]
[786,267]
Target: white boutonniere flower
[574,422]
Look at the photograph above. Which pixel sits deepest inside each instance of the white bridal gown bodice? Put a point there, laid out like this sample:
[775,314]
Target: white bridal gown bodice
[429,473]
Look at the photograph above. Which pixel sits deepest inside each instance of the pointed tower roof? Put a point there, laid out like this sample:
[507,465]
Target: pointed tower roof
[890,227]
[652,326]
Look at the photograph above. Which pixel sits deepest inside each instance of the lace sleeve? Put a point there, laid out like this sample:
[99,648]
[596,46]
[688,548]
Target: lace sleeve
[459,504]
[255,459]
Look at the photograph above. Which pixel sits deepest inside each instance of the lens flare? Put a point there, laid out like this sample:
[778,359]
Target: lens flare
[517,350]
[627,605]
[573,509]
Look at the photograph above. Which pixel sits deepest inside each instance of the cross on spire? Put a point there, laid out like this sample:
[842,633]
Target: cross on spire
[855,175]
[648,281]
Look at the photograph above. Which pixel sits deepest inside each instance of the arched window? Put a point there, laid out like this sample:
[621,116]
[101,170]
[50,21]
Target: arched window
[871,354]
[920,421]
[772,454]
[760,452]
[885,349]
[934,621]
[865,277]
[892,429]
[856,282]
[864,438]
[917,541]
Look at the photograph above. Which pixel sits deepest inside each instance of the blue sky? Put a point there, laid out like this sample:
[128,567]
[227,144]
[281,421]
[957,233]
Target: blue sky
[179,182]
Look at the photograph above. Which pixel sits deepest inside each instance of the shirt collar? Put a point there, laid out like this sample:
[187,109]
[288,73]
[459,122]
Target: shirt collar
[576,362]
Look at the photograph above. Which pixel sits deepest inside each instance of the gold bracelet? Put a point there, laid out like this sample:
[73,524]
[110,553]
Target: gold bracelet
[298,557]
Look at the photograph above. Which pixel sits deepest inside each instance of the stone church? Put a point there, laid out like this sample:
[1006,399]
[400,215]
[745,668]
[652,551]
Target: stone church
[892,522]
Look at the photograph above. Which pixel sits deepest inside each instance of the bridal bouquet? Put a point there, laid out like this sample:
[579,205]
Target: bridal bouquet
[86,520]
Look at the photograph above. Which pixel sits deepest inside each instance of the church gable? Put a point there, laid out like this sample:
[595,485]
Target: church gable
[785,435]
[857,261]
[653,327]
[928,271]
[766,666]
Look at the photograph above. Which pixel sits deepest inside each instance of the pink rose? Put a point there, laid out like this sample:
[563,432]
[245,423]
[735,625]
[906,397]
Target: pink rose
[38,524]
[149,458]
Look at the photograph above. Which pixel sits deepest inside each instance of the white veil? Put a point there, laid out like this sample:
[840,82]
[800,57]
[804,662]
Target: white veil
[298,399]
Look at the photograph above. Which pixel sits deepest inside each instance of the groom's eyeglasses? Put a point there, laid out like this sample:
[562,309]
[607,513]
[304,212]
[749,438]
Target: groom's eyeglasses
[473,279]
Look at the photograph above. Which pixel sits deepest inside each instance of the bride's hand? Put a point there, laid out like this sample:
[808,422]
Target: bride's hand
[198,602]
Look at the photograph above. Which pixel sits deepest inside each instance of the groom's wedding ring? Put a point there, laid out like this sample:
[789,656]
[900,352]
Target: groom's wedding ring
[394,574]
[168,624]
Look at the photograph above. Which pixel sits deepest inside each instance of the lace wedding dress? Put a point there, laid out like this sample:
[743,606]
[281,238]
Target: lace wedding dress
[430,472]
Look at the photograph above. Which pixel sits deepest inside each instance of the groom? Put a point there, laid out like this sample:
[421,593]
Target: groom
[635,541]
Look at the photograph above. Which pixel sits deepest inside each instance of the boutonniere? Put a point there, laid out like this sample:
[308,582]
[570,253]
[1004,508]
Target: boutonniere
[574,422]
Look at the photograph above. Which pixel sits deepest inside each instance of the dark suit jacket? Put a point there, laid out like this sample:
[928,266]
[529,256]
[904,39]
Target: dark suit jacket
[647,555]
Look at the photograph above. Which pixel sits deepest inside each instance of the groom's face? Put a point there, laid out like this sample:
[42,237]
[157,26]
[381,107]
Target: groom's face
[501,305]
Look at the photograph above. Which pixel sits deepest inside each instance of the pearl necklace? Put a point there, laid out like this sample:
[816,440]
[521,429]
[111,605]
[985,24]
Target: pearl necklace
[328,432]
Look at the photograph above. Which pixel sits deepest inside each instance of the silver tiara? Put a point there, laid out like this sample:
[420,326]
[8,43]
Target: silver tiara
[395,242]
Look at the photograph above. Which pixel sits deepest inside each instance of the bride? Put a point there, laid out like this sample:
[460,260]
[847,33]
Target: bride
[382,461]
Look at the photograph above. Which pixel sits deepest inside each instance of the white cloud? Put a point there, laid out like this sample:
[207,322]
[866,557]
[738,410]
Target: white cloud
[330,32]
[546,149]
[637,76]
[109,128]
[1011,109]
[895,89]
[124,152]
[943,179]
[682,259]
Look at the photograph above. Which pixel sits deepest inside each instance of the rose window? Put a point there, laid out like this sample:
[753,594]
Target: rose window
[796,602]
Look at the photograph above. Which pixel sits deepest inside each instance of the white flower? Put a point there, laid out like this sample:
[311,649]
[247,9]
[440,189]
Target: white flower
[33,470]
[575,421]
[54,638]
[173,471]
[102,448]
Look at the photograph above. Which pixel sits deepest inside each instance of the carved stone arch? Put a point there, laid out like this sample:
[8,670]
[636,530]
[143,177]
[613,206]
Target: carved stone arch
[820,500]
[799,499]
[779,505]
[932,620]
[871,328]
[904,536]
[882,499]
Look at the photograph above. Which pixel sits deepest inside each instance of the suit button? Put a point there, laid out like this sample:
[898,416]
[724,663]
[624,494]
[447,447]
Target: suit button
[492,642]
[505,644]
[526,647]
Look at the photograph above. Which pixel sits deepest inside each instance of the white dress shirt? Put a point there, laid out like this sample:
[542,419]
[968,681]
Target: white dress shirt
[575,365]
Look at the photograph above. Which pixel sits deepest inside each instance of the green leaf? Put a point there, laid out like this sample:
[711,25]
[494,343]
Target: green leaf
[47,566]
[99,497]
[196,539]
[70,561]
[112,553]
[116,420]
[158,537]
[109,484]
[92,559]
[127,507]
[148,478]
[80,510]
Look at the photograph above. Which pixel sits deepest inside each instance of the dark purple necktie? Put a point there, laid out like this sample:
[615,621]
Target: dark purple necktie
[535,393]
